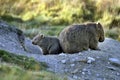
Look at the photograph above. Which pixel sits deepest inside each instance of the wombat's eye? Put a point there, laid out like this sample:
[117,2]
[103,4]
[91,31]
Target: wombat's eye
[35,39]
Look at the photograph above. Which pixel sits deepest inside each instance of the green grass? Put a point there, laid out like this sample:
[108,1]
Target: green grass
[30,29]
[16,67]
[113,33]
[14,72]
[23,61]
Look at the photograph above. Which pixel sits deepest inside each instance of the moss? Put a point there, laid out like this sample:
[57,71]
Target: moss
[17,67]
[14,72]
[23,61]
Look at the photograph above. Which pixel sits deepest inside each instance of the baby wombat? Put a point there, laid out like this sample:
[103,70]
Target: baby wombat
[49,45]
[79,37]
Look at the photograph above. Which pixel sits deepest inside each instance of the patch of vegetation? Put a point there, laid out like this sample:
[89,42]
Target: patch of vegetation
[23,61]
[14,72]
[17,67]
[113,33]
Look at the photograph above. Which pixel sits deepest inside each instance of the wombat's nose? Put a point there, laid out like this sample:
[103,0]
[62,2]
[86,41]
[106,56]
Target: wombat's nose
[33,43]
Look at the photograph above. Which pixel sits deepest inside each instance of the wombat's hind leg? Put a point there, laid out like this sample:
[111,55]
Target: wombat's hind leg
[45,52]
[53,51]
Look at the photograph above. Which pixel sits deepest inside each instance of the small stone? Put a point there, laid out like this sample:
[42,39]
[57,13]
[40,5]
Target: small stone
[72,65]
[88,49]
[75,71]
[79,53]
[62,54]
[111,68]
[83,73]
[98,57]
[75,77]
[63,61]
[84,69]
[2,45]
[66,70]
[114,61]
[89,72]
[97,75]
[90,60]
[118,74]
[72,60]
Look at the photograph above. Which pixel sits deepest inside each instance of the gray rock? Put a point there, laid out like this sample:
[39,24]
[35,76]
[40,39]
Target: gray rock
[75,71]
[66,70]
[97,75]
[13,40]
[72,65]
[114,61]
[118,74]
[90,60]
[84,69]
[111,68]
[62,54]
[83,73]
[63,61]
[75,77]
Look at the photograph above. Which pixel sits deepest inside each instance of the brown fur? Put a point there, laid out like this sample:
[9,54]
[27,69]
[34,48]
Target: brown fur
[49,45]
[79,37]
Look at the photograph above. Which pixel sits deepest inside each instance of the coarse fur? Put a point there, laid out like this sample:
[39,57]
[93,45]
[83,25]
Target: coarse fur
[49,45]
[79,37]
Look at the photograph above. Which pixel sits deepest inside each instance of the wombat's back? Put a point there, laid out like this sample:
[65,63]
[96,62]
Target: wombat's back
[73,37]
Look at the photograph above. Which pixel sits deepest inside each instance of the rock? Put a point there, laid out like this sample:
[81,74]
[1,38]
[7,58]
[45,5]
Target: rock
[114,61]
[72,65]
[73,60]
[90,60]
[13,40]
[75,77]
[63,61]
[2,45]
[75,71]
[97,75]
[83,73]
[89,72]
[66,70]
[118,74]
[111,68]
[79,53]
[63,54]
[84,69]
[89,50]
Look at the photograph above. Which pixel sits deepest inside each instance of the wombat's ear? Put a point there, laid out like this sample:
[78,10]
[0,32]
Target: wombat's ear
[42,36]
[98,25]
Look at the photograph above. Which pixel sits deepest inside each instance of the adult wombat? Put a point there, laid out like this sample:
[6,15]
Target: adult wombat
[79,37]
[49,45]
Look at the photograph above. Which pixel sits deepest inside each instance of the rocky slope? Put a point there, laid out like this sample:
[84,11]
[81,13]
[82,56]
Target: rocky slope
[86,65]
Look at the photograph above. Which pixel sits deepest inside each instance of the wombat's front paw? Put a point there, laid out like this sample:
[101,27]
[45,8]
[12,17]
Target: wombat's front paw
[98,49]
